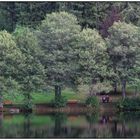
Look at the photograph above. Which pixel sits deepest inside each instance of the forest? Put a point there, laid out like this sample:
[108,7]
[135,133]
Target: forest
[51,46]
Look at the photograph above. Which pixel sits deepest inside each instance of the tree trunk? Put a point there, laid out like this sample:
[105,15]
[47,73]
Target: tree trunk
[123,89]
[115,87]
[57,92]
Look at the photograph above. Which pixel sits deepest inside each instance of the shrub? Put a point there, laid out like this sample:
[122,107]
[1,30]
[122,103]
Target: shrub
[59,102]
[129,104]
[92,101]
[28,105]
[27,102]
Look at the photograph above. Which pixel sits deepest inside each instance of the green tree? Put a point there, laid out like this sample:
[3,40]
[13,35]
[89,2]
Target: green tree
[31,74]
[123,46]
[92,57]
[10,59]
[131,13]
[58,39]
[89,14]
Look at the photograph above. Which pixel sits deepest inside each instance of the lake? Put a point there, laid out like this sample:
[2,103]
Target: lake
[60,125]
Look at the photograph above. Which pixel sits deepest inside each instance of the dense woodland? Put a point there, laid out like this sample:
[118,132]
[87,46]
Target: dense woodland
[67,44]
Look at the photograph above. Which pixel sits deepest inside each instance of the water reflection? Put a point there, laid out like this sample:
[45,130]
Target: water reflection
[59,119]
[60,125]
[27,125]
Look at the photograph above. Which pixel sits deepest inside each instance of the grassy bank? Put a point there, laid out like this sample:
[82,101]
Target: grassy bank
[44,97]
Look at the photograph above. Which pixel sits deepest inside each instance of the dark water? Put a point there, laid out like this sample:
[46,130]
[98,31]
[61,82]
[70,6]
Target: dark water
[95,125]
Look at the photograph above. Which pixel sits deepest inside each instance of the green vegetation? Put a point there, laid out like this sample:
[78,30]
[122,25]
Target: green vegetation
[45,97]
[92,117]
[14,120]
[59,102]
[92,101]
[129,116]
[35,120]
[129,104]
[87,44]
[123,52]
[62,31]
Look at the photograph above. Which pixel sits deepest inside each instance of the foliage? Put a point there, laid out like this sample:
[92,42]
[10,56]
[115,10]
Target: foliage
[83,88]
[123,48]
[92,101]
[58,37]
[131,13]
[10,61]
[89,14]
[92,57]
[27,103]
[63,49]
[99,87]
[59,102]
[31,72]
[129,104]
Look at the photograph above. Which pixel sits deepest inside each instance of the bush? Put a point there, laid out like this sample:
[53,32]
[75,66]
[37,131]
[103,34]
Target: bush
[27,102]
[129,104]
[28,105]
[59,102]
[92,101]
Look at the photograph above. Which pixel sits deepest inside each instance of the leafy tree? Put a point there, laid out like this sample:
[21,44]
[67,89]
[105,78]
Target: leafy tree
[123,45]
[89,14]
[31,14]
[113,16]
[92,57]
[10,60]
[32,71]
[131,13]
[58,39]
[8,16]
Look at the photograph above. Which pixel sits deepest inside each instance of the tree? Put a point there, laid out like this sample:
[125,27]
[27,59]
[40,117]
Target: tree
[131,13]
[92,57]
[8,15]
[58,39]
[89,14]
[31,14]
[113,16]
[27,14]
[31,74]
[10,60]
[123,45]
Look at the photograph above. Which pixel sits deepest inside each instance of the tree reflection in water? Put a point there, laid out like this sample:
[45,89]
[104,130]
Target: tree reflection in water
[60,125]
[1,119]
[59,119]
[27,124]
